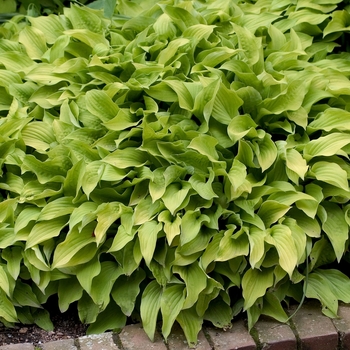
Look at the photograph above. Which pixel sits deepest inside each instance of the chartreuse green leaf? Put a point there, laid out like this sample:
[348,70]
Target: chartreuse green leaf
[170,306]
[111,318]
[331,119]
[85,273]
[102,283]
[34,41]
[219,314]
[270,211]
[7,309]
[320,288]
[78,247]
[233,245]
[126,290]
[330,173]
[257,246]
[24,295]
[107,214]
[254,284]
[175,195]
[280,236]
[171,225]
[45,230]
[150,305]
[191,324]
[147,234]
[272,307]
[75,293]
[328,145]
[334,225]
[196,281]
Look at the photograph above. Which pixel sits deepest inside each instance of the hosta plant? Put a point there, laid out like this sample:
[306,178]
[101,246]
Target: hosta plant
[176,161]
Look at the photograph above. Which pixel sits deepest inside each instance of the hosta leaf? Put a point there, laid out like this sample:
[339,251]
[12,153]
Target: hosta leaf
[340,22]
[338,282]
[270,211]
[331,119]
[87,309]
[296,162]
[76,242]
[147,234]
[102,284]
[196,281]
[24,295]
[50,26]
[219,314]
[101,105]
[205,145]
[191,224]
[175,195]
[64,298]
[34,42]
[107,214]
[150,305]
[272,307]
[7,310]
[326,145]
[248,43]
[128,157]
[85,273]
[335,226]
[330,173]
[191,324]
[171,225]
[13,257]
[237,174]
[233,245]
[5,281]
[45,230]
[281,237]
[320,288]
[58,207]
[170,306]
[266,152]
[38,135]
[257,246]
[254,285]
[203,187]
[127,290]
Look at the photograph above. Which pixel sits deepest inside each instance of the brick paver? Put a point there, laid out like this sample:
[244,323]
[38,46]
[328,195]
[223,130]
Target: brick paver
[133,337]
[177,340]
[342,324]
[64,344]
[98,342]
[232,339]
[315,331]
[311,331]
[17,347]
[274,335]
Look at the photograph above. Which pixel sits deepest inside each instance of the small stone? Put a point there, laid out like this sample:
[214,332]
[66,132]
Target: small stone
[23,330]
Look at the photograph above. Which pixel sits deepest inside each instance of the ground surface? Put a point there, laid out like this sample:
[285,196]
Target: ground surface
[66,325]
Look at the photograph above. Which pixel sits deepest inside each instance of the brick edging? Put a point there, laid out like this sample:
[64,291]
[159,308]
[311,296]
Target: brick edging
[309,329]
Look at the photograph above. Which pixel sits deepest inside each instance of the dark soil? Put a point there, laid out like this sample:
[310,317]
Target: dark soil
[66,326]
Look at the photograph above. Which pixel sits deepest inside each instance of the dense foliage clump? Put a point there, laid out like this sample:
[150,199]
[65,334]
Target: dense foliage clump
[176,161]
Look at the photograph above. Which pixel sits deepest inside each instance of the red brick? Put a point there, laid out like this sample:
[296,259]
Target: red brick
[342,324]
[133,337]
[274,335]
[316,331]
[235,338]
[177,340]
